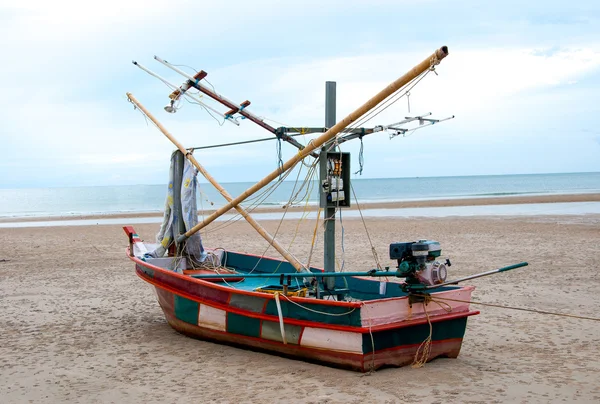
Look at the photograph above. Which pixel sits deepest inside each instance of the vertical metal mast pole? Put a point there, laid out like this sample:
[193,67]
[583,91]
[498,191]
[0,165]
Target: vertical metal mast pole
[179,225]
[329,236]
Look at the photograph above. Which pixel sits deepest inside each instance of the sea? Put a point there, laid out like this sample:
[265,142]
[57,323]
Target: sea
[106,200]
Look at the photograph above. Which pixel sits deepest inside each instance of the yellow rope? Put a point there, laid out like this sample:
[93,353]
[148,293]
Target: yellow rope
[421,356]
[314,238]
[364,307]
[279,313]
[304,215]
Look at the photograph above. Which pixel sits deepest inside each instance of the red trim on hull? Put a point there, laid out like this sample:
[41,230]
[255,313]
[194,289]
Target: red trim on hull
[303,323]
[227,289]
[194,282]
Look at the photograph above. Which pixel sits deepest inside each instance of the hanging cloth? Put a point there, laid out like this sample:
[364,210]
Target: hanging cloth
[181,210]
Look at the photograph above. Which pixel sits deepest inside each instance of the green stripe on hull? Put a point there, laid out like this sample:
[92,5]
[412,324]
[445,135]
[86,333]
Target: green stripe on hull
[414,335]
[272,331]
[290,310]
[246,302]
[186,310]
[243,325]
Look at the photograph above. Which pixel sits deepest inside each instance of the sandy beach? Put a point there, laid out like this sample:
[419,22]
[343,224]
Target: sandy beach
[77,324]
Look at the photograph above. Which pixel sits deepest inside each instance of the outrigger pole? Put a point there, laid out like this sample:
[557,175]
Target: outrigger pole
[185,94]
[426,64]
[286,254]
[234,108]
[422,124]
[360,132]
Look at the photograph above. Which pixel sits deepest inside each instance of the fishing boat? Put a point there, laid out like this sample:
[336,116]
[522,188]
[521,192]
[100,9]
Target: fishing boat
[363,321]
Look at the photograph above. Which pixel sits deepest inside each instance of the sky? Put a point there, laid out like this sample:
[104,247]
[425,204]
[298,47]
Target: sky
[522,79]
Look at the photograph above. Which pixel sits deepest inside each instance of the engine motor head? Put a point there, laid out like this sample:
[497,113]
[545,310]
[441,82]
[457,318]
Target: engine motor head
[416,261]
[433,274]
[422,248]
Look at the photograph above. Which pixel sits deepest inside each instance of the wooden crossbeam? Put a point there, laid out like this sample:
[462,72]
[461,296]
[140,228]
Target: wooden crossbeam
[235,110]
[184,87]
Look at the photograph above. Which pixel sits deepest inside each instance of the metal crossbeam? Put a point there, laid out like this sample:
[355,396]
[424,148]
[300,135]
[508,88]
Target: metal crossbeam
[353,133]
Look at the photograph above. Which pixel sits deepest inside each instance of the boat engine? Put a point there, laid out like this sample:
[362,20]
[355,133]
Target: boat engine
[417,262]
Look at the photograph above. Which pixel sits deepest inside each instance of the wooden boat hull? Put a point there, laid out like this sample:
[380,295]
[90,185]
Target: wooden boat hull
[351,335]
[393,357]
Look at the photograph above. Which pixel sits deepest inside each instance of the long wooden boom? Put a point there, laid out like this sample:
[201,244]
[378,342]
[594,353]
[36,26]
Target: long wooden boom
[428,63]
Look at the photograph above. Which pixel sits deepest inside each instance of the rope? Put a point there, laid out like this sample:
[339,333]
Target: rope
[256,201]
[342,244]
[268,191]
[392,100]
[361,157]
[373,250]
[208,111]
[382,106]
[514,308]
[305,213]
[281,326]
[279,157]
[282,217]
[424,349]
[314,238]
[364,306]
[264,139]
[306,186]
[317,311]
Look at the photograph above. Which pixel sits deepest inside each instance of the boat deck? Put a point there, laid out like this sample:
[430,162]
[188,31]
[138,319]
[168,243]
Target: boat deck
[242,264]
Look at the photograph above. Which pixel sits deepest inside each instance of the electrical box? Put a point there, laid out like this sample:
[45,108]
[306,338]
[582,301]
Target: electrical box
[335,181]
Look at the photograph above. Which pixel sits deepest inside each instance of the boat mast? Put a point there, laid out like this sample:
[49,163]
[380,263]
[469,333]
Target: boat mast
[329,221]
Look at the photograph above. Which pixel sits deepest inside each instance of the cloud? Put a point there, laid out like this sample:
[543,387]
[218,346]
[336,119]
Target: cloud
[68,66]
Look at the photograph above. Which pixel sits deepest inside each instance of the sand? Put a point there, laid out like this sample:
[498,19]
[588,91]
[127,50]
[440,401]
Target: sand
[76,324]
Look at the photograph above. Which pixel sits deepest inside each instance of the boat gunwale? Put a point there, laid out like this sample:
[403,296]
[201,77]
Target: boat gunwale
[288,320]
[270,296]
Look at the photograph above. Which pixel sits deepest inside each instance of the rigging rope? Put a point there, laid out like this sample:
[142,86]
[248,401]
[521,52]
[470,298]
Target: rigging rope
[264,139]
[424,349]
[256,202]
[434,298]
[279,156]
[317,311]
[314,238]
[361,157]
[373,250]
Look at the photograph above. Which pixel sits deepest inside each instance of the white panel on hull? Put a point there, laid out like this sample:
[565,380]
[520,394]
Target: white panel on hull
[212,318]
[334,340]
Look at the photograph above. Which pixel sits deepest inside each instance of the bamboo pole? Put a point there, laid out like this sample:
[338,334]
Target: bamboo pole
[286,254]
[428,63]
